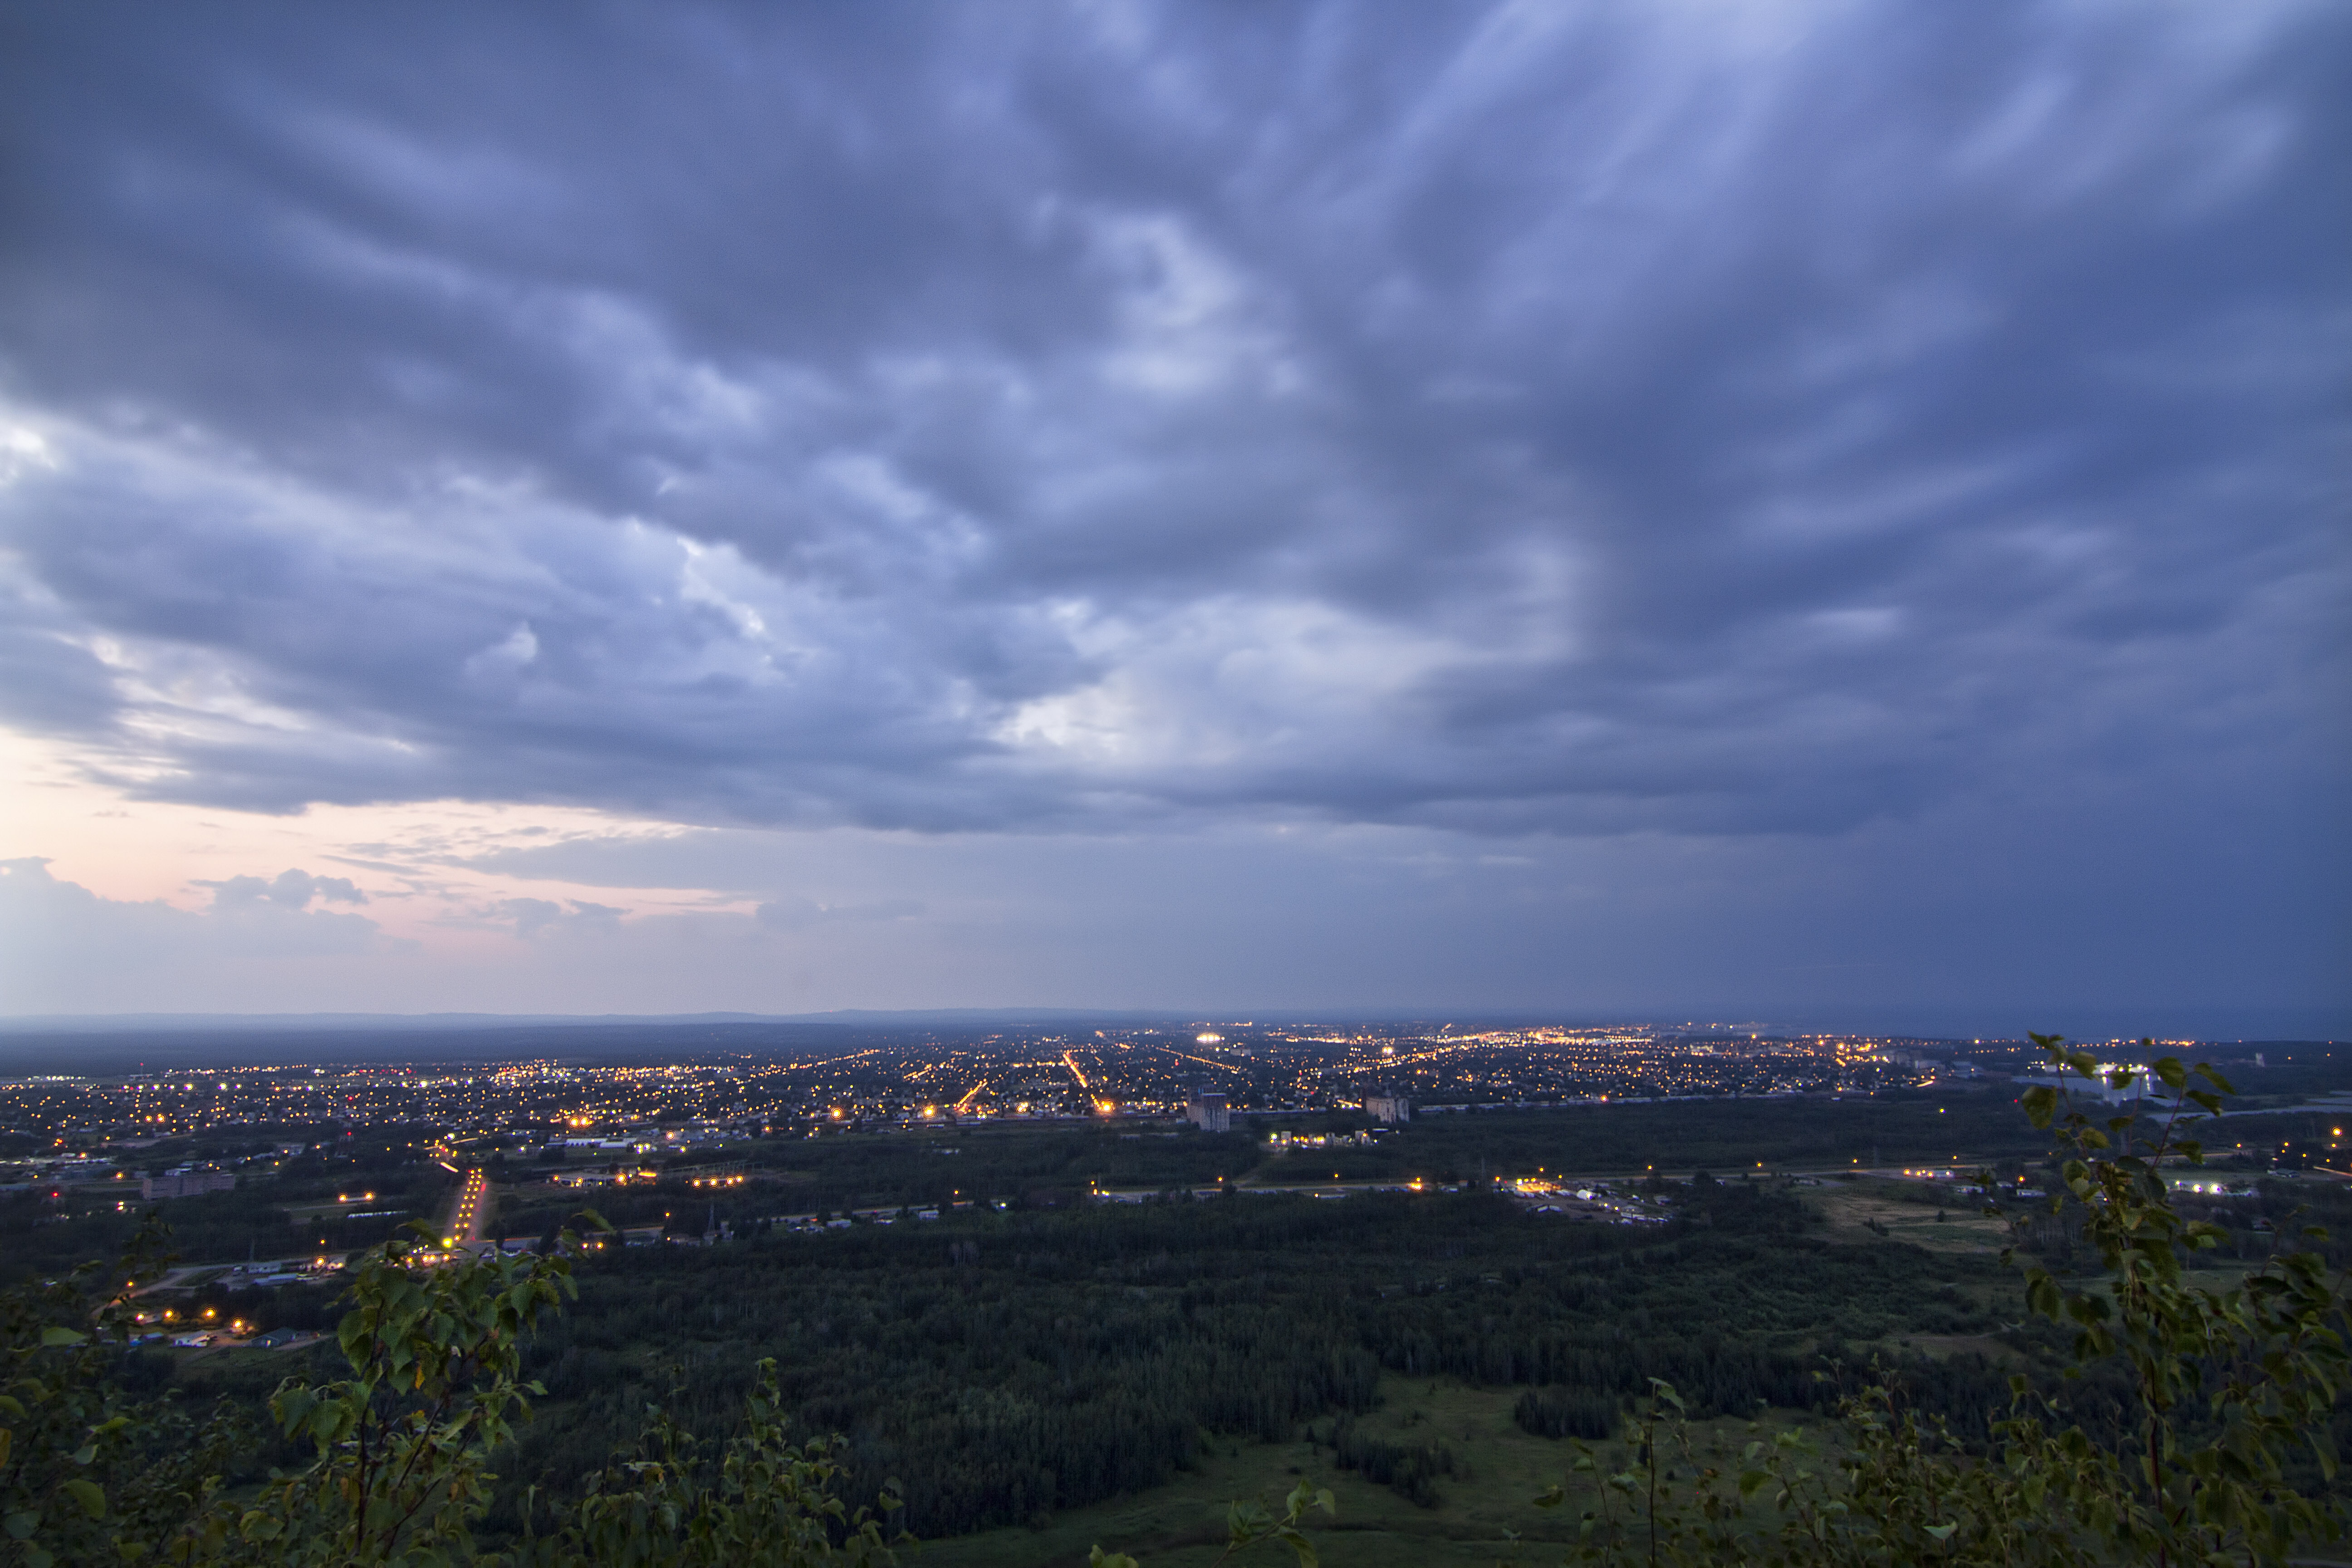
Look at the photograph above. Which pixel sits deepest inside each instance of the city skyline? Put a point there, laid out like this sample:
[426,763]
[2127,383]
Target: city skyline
[567,1082]
[1831,515]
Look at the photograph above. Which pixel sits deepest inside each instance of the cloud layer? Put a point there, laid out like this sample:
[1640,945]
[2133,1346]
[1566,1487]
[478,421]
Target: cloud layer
[1503,420]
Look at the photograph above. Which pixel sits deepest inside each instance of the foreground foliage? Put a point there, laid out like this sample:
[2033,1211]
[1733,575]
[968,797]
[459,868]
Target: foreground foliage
[90,1471]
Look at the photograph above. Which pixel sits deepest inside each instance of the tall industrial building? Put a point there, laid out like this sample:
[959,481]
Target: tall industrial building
[1206,1110]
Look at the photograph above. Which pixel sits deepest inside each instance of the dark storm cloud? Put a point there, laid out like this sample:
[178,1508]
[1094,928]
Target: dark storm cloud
[1494,418]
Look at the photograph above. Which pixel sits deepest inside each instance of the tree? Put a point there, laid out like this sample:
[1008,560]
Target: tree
[402,1445]
[769,1504]
[434,1343]
[88,1471]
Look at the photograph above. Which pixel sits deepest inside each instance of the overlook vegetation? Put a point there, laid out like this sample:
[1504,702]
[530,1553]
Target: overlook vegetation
[995,1369]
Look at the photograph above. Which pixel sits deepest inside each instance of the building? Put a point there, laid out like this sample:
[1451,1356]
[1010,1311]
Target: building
[1207,1110]
[186,1183]
[1388,1107]
[2136,1085]
[603,1148]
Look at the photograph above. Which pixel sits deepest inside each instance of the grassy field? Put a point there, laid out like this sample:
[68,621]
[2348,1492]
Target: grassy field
[1854,1208]
[1182,1525]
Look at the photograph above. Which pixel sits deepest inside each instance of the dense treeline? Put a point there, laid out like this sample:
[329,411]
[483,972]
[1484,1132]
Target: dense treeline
[1567,1413]
[1007,1365]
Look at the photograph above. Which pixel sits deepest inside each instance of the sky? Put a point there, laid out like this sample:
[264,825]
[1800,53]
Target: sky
[1823,512]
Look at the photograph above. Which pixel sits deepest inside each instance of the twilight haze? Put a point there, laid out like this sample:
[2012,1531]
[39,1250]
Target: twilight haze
[1831,512]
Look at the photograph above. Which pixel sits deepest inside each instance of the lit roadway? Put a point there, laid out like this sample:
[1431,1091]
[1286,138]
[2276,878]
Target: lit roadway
[472,1209]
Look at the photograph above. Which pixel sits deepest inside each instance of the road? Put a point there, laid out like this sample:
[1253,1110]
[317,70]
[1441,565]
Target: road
[470,1210]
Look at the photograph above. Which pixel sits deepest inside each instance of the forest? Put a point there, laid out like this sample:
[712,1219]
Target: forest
[1006,1366]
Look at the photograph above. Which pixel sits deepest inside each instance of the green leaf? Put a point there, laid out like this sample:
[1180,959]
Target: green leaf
[88,1494]
[2041,1104]
[1943,1531]
[20,1526]
[52,1338]
[2168,1072]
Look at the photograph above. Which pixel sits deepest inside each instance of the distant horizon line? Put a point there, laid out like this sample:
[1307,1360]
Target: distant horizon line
[187,1022]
